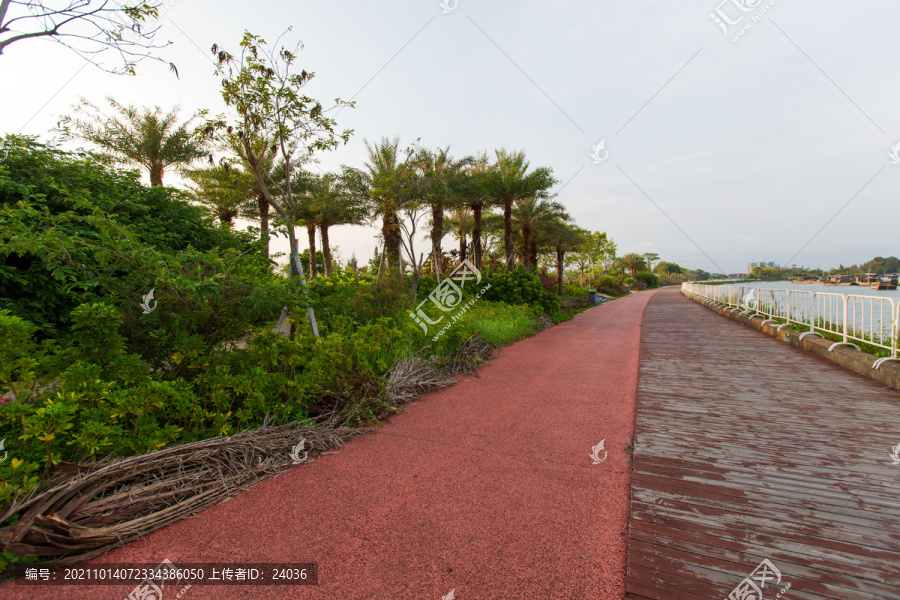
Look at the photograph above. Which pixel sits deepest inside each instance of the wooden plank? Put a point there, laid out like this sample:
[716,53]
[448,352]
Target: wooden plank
[747,448]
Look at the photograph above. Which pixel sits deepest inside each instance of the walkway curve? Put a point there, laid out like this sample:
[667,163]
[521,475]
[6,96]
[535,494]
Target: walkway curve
[485,488]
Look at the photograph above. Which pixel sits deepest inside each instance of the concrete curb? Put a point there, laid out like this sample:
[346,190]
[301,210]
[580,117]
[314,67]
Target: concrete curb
[858,362]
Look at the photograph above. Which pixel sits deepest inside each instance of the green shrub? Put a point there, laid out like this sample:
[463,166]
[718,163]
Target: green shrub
[521,286]
[647,277]
[609,285]
[574,290]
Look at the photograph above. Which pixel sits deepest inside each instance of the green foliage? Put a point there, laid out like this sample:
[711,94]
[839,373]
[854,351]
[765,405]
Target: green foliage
[647,277]
[574,290]
[64,217]
[521,286]
[609,285]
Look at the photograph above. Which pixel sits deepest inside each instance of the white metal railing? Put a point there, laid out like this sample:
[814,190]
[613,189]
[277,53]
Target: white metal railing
[873,320]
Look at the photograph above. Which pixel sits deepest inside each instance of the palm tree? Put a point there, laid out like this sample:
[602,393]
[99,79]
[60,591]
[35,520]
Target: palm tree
[472,188]
[266,163]
[150,139]
[634,263]
[649,257]
[334,206]
[460,222]
[439,174]
[226,191]
[509,182]
[532,216]
[385,184]
[564,237]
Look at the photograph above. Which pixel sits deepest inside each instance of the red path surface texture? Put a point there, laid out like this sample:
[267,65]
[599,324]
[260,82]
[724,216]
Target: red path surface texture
[485,488]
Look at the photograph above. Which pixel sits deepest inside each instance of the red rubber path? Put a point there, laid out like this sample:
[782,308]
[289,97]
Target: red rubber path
[485,488]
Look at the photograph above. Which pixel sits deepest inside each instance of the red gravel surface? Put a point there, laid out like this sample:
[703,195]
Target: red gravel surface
[485,489]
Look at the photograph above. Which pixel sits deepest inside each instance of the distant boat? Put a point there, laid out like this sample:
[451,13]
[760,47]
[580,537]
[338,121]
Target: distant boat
[840,280]
[887,282]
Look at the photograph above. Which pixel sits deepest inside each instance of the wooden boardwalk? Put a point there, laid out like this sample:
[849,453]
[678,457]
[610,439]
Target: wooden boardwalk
[749,449]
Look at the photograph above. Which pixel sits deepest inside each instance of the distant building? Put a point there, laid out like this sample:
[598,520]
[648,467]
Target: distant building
[760,263]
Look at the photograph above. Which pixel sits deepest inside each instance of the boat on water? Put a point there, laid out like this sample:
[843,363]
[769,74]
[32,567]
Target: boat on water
[887,282]
[804,281]
[840,280]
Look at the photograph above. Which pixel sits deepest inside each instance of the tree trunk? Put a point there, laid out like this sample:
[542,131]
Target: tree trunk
[326,250]
[263,222]
[390,230]
[437,232]
[311,232]
[463,247]
[526,247]
[476,232]
[509,259]
[156,175]
[560,255]
[532,255]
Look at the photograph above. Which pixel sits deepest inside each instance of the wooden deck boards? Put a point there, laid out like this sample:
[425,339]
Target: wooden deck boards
[749,449]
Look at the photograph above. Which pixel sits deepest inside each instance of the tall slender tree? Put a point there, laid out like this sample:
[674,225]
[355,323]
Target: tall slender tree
[265,90]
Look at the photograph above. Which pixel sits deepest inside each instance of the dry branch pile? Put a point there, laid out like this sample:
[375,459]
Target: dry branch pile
[121,499]
[416,376]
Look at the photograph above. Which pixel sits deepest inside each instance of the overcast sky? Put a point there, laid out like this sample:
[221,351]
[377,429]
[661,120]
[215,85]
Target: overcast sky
[773,147]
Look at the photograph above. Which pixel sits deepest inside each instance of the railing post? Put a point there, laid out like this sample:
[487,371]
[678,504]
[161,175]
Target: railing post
[845,318]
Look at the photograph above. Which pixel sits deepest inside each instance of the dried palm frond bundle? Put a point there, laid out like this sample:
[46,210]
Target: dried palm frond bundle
[121,499]
[415,376]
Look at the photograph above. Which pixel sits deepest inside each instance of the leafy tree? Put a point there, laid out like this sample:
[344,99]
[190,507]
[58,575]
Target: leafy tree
[264,89]
[90,28]
[150,139]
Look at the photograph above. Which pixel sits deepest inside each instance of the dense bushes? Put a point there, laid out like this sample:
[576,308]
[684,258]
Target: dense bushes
[74,230]
[520,286]
[647,277]
[609,285]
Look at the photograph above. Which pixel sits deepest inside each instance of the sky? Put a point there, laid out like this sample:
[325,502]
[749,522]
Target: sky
[769,139]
